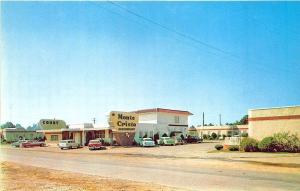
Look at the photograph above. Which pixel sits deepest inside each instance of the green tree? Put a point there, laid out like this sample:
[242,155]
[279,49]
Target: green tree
[214,135]
[7,125]
[18,126]
[234,130]
[244,120]
[34,127]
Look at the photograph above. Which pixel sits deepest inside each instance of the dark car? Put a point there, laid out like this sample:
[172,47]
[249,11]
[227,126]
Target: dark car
[18,143]
[28,143]
[194,139]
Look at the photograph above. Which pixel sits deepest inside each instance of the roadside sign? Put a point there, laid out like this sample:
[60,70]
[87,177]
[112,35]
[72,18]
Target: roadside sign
[50,124]
[123,121]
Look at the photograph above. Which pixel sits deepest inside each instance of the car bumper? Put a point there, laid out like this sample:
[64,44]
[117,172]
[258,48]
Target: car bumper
[93,148]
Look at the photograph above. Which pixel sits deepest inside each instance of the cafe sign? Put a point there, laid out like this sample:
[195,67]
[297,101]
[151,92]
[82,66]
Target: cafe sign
[123,121]
[51,124]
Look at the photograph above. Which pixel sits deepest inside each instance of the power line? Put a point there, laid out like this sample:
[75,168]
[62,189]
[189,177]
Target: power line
[186,36]
[144,25]
[174,31]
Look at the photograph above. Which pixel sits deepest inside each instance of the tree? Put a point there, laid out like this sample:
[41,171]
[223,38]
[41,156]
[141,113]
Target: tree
[214,135]
[234,130]
[18,126]
[34,127]
[244,120]
[244,134]
[7,125]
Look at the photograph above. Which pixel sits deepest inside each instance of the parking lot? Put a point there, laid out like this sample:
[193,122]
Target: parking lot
[191,166]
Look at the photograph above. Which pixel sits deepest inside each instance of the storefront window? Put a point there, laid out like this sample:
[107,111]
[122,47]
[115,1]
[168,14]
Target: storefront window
[176,119]
[54,137]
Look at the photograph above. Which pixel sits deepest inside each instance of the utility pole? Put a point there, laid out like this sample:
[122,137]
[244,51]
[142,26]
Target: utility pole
[203,119]
[94,120]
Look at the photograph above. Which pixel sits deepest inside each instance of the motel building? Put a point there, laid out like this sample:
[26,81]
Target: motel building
[158,122]
[265,122]
[123,127]
[222,130]
[57,130]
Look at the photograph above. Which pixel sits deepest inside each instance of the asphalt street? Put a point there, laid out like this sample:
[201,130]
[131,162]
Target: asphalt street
[191,173]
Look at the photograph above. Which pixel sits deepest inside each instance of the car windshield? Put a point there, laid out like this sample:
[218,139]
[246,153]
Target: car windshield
[147,139]
[94,141]
[63,141]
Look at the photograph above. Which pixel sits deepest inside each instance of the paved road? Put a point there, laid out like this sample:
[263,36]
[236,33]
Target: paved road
[169,172]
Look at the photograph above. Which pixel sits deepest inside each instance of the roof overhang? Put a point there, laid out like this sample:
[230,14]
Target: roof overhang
[162,110]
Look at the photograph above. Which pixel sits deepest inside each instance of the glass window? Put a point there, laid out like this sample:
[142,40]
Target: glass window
[151,134]
[176,119]
[54,137]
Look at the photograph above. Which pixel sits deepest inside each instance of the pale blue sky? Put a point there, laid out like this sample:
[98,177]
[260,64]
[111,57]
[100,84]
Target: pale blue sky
[79,60]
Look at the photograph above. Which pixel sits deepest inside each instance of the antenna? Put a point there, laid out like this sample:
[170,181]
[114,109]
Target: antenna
[203,119]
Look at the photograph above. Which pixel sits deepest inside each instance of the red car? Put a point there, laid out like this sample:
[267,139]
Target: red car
[95,144]
[33,144]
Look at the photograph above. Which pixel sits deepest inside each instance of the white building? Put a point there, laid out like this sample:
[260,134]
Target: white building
[158,121]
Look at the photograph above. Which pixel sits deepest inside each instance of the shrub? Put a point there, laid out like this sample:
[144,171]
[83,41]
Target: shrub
[214,135]
[244,135]
[249,145]
[219,147]
[267,144]
[286,143]
[204,136]
[280,142]
[233,148]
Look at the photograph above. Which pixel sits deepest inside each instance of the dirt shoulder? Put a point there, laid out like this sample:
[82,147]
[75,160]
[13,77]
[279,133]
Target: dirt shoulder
[14,176]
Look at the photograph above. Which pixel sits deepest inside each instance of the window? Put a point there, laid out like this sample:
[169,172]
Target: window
[141,134]
[151,134]
[176,119]
[54,137]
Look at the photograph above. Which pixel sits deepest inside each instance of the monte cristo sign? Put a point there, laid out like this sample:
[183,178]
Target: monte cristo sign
[123,121]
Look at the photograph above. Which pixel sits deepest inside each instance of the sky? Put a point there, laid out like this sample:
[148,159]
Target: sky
[79,60]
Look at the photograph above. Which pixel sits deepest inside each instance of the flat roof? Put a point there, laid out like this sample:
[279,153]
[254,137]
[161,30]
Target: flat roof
[164,111]
[17,130]
[281,107]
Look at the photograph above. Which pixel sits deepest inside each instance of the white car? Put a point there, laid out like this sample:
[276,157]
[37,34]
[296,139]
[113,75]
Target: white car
[147,142]
[68,144]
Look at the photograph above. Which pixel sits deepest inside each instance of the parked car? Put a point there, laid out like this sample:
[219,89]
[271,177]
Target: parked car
[68,144]
[95,144]
[33,144]
[147,142]
[194,139]
[179,141]
[18,143]
[166,141]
